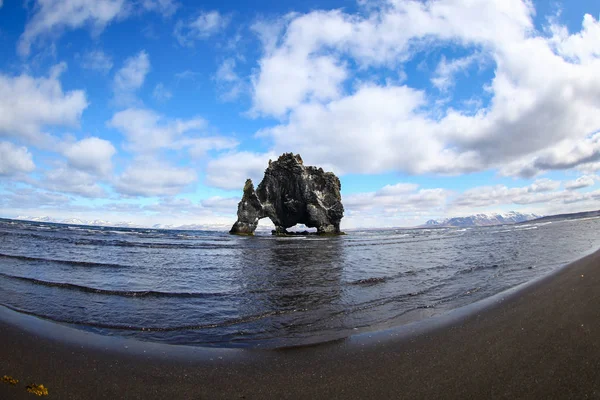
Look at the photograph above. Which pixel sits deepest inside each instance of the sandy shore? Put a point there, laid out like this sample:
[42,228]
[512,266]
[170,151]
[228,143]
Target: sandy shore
[539,342]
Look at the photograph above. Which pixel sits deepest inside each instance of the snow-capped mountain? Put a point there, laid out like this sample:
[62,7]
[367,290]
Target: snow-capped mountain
[98,222]
[511,217]
[37,219]
[77,221]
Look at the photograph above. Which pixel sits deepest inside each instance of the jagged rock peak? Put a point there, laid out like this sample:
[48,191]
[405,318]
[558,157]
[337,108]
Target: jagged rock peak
[289,194]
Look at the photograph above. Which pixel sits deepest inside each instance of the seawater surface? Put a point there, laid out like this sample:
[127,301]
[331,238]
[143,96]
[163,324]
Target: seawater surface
[213,289]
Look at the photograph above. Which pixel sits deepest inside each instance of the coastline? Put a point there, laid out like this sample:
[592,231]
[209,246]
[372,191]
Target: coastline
[539,340]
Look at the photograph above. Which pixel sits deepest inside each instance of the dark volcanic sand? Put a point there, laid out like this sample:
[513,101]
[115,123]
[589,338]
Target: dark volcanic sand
[540,342]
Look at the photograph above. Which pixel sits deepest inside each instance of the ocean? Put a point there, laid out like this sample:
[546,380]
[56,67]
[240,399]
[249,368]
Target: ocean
[210,288]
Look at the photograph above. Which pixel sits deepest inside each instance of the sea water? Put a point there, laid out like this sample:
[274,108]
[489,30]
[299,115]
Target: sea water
[209,288]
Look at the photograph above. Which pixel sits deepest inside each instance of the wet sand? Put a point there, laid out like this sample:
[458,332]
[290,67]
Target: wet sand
[542,341]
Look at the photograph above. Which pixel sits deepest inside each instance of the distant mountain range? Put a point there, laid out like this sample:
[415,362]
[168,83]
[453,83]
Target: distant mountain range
[511,217]
[77,221]
[98,222]
[584,214]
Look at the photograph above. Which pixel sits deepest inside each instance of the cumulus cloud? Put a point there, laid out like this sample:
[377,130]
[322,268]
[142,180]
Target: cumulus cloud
[165,7]
[131,77]
[147,131]
[580,47]
[226,205]
[21,198]
[566,154]
[91,154]
[214,206]
[230,171]
[543,94]
[96,60]
[581,182]
[30,103]
[376,129]
[53,17]
[205,25]
[153,178]
[397,199]
[14,159]
[64,179]
[49,19]
[540,191]
[402,204]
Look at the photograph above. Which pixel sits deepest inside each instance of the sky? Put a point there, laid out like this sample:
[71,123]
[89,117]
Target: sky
[156,111]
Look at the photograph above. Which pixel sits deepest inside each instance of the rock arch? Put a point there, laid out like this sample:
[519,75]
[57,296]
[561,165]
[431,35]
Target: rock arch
[289,194]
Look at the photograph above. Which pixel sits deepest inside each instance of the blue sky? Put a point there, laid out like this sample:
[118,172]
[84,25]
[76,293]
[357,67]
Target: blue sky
[156,111]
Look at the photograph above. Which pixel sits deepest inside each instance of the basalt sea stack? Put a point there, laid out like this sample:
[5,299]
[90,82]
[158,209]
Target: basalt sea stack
[289,194]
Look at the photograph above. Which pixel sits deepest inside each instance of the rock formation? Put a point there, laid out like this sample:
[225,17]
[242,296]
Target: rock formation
[289,194]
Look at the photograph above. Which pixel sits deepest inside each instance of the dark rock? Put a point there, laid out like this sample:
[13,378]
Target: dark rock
[291,194]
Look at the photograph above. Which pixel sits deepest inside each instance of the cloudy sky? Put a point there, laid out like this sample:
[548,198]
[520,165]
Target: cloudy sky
[156,111]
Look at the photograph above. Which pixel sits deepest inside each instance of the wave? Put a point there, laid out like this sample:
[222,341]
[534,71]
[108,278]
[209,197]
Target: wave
[369,281]
[208,243]
[377,280]
[69,262]
[230,322]
[121,293]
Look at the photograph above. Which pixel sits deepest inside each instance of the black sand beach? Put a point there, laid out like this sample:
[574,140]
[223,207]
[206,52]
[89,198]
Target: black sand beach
[539,342]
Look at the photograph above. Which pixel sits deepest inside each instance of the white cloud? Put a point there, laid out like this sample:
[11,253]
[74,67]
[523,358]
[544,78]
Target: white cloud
[14,159]
[131,77]
[539,98]
[147,131]
[161,93]
[376,129]
[97,60]
[581,182]
[566,154]
[205,25]
[52,17]
[228,81]
[444,77]
[402,204]
[580,47]
[165,7]
[49,19]
[91,154]
[64,179]
[299,65]
[213,206]
[20,198]
[28,104]
[397,190]
[540,191]
[1,3]
[231,170]
[225,205]
[153,178]
[543,185]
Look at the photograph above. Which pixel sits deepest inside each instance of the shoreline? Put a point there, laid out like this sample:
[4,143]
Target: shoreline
[540,339]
